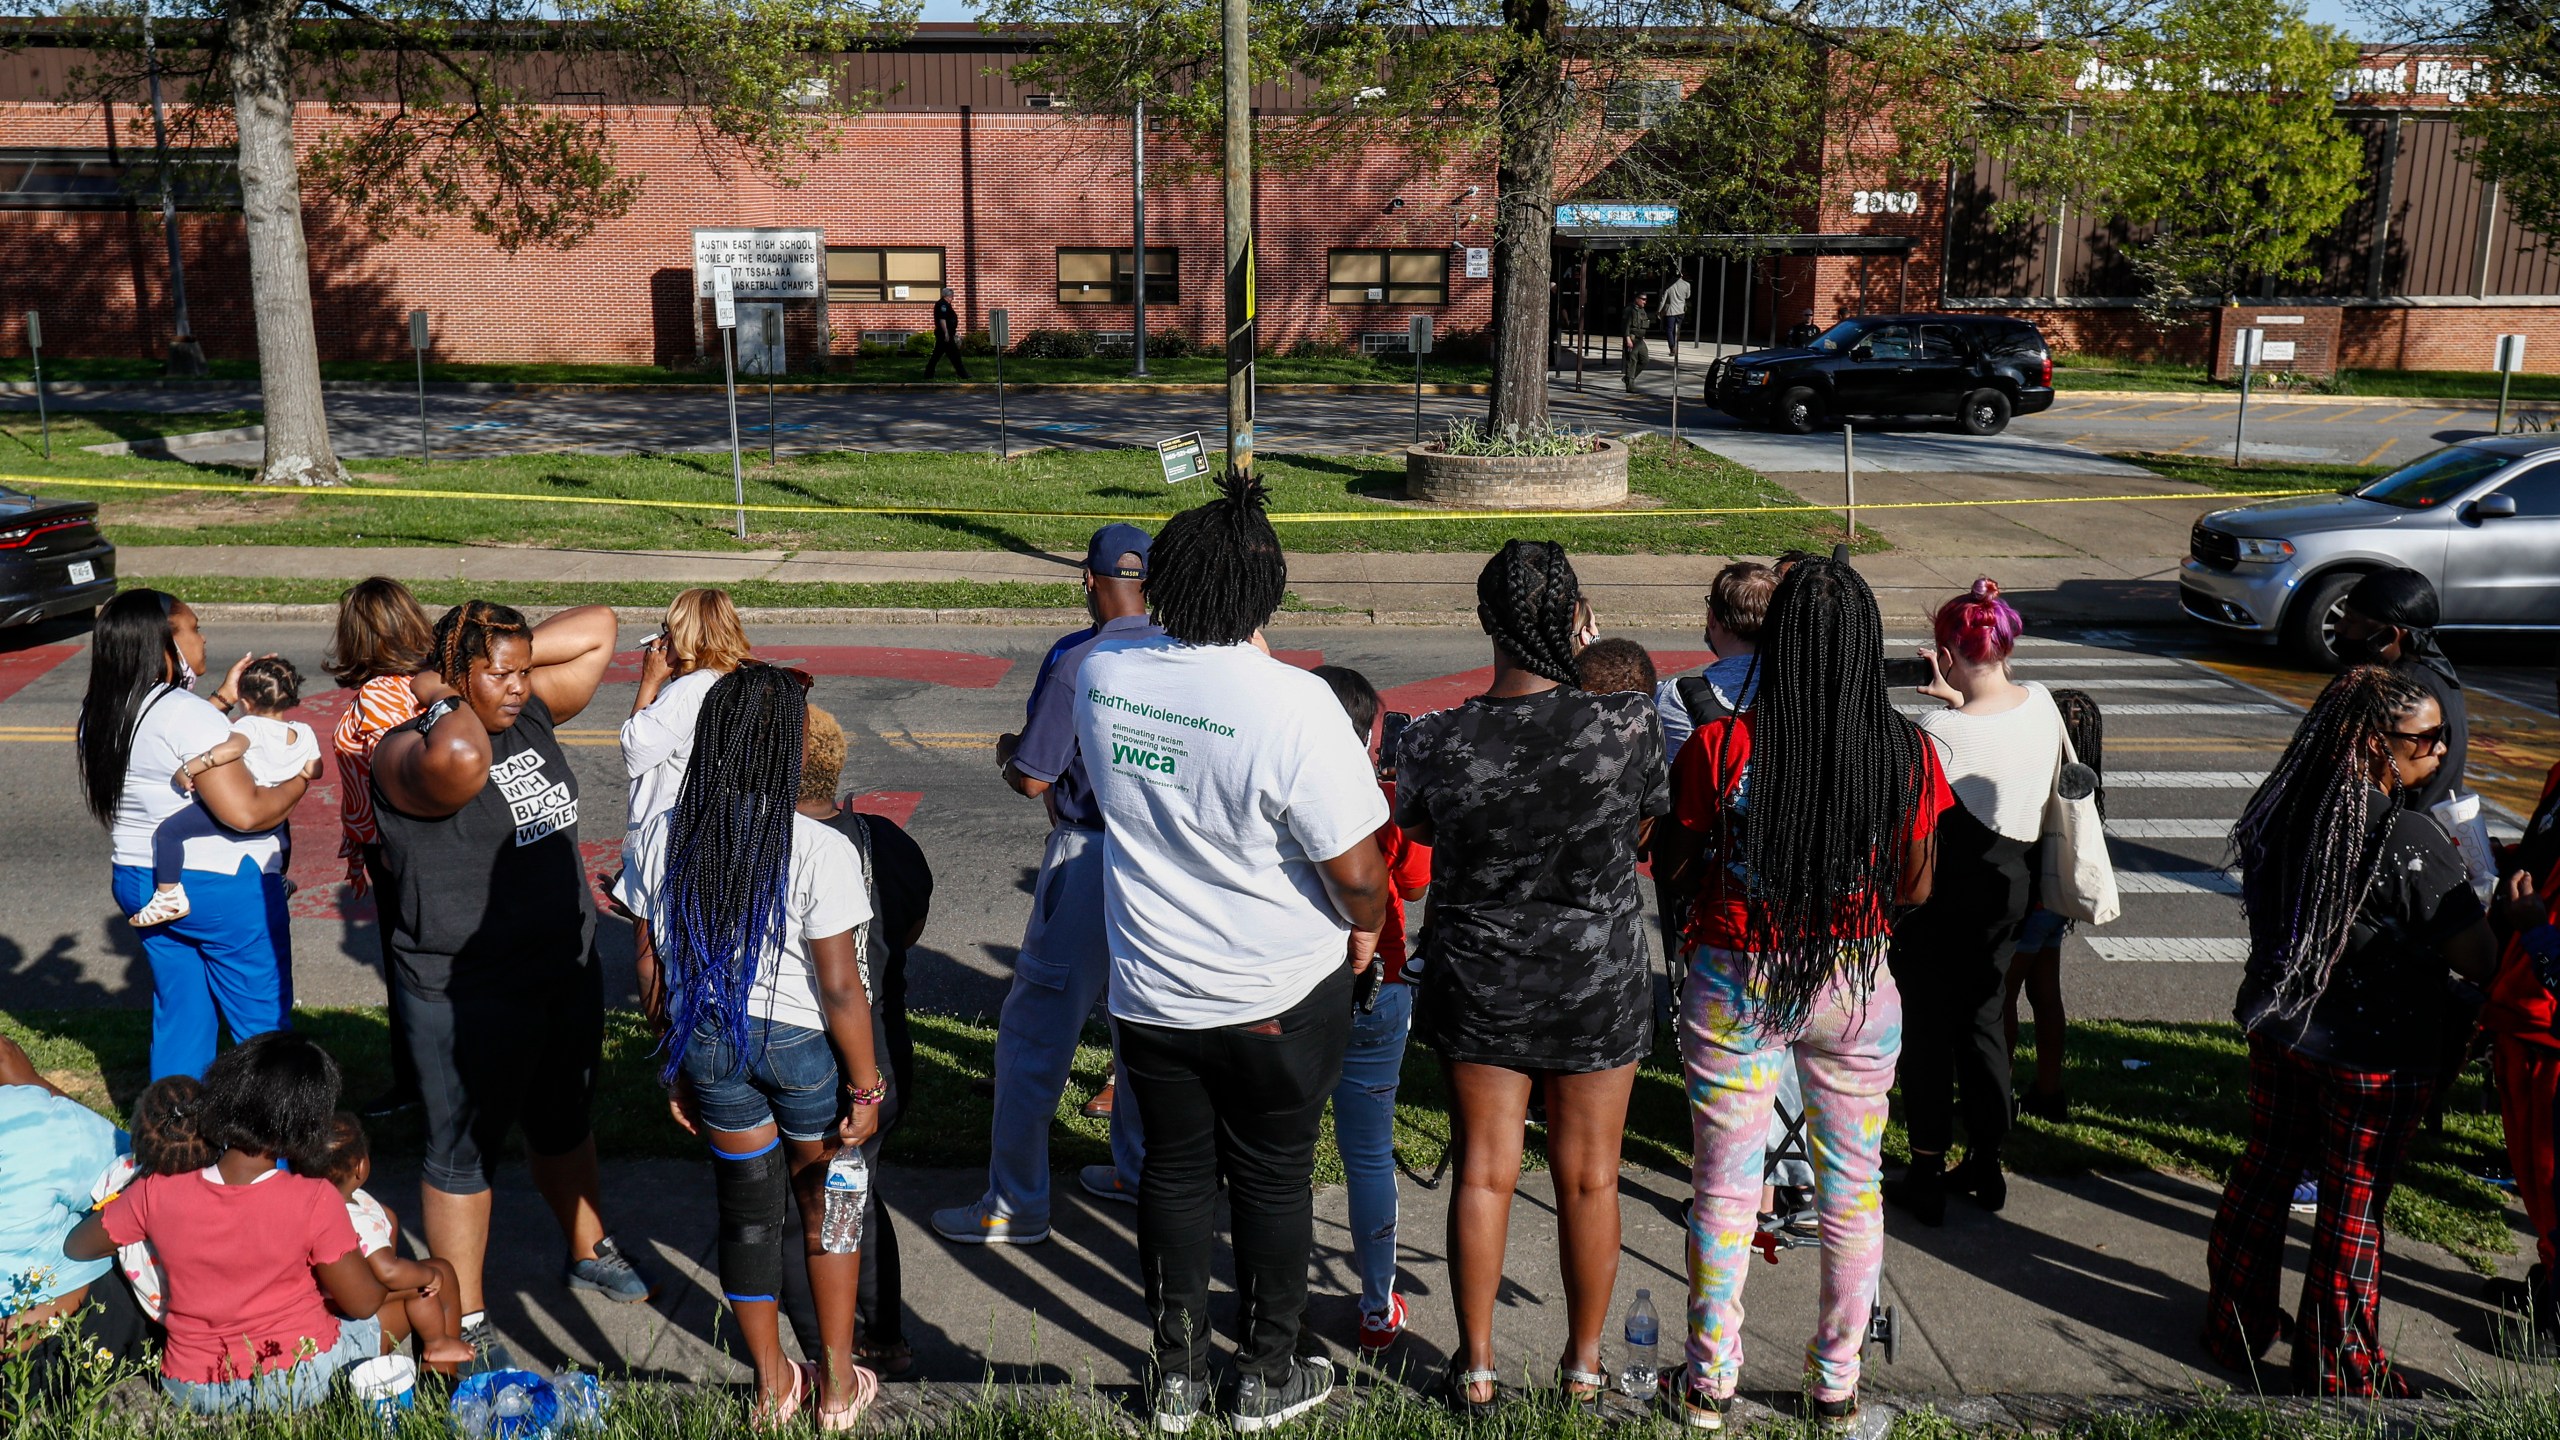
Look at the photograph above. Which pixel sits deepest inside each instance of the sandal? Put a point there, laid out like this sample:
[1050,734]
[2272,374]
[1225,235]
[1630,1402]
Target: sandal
[1581,1389]
[866,1389]
[891,1360]
[778,1417]
[1457,1383]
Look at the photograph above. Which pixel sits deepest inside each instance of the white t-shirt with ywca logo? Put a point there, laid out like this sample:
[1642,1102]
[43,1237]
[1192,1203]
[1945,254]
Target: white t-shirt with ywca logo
[1224,776]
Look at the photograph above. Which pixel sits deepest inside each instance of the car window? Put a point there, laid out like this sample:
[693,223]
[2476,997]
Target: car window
[2011,337]
[2537,491]
[1840,339]
[1890,342]
[1938,342]
[2437,478]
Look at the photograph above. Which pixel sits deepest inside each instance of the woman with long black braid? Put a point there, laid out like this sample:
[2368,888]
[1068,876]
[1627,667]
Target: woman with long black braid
[1802,822]
[752,971]
[2357,906]
[1535,971]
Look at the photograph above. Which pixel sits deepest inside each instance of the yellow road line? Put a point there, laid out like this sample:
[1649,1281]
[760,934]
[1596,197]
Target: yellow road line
[2376,452]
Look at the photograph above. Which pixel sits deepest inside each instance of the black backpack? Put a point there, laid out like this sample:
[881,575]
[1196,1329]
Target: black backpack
[1701,701]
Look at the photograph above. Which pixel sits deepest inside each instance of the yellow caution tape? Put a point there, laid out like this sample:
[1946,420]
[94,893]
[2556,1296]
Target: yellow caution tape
[1294,517]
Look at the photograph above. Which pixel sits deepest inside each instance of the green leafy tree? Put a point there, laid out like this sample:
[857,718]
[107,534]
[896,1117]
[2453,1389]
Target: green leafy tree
[2510,97]
[2213,131]
[441,111]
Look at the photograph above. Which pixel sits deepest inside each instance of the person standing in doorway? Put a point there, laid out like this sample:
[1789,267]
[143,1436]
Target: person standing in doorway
[1065,961]
[946,338]
[1243,891]
[1675,308]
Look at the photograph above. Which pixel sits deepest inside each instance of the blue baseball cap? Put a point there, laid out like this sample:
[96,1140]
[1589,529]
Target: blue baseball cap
[1102,553]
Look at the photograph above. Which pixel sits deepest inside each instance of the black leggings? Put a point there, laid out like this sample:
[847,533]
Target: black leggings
[1950,959]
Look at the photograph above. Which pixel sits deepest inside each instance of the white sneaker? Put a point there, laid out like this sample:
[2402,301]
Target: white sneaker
[1103,1181]
[977,1224]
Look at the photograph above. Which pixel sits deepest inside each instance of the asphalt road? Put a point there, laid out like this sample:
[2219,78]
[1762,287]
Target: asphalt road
[2074,437]
[923,705]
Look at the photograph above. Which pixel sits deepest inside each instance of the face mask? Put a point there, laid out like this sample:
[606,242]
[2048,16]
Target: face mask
[187,676]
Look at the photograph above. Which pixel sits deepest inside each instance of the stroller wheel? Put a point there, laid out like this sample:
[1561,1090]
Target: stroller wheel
[1883,1330]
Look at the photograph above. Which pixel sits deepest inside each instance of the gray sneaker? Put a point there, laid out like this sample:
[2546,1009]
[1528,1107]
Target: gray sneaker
[611,1275]
[1265,1404]
[488,1352]
[1177,1404]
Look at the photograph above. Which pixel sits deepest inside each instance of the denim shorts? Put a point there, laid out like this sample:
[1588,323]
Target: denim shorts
[786,1078]
[296,1387]
[2042,930]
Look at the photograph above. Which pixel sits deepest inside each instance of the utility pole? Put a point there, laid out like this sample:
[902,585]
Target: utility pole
[1239,163]
[186,357]
[1138,232]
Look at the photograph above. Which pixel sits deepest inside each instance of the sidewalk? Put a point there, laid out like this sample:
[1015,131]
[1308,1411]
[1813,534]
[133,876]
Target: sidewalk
[2082,1288]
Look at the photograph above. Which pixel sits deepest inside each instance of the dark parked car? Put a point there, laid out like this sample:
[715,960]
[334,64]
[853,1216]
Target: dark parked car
[1976,369]
[53,561]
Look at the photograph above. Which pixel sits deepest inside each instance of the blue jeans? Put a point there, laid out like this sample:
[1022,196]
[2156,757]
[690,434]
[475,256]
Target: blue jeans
[227,962]
[786,1079]
[1364,1127]
[297,1387]
[1064,967]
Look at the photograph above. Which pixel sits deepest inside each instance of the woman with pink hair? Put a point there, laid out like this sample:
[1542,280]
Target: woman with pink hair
[2001,745]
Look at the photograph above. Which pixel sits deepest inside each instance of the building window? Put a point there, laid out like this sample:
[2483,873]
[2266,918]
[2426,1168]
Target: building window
[1091,275]
[1640,104]
[75,179]
[1387,277]
[873,274]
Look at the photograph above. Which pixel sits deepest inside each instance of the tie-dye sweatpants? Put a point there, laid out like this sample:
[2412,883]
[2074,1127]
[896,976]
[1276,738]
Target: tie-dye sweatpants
[1845,1058]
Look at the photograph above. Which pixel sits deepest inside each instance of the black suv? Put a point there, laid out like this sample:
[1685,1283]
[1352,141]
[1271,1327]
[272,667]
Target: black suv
[1978,369]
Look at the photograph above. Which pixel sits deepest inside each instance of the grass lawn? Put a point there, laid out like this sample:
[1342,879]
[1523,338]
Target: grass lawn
[638,595]
[22,435]
[2257,474]
[2101,372]
[374,511]
[869,370]
[2153,1096]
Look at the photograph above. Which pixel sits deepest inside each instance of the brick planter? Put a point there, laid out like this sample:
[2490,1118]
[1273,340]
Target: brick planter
[1587,481]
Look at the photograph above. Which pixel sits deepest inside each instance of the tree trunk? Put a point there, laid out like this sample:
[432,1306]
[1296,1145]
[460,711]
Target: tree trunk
[1528,112]
[298,450]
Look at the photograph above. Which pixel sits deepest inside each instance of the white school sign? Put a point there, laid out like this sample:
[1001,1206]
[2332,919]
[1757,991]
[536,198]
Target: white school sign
[773,263]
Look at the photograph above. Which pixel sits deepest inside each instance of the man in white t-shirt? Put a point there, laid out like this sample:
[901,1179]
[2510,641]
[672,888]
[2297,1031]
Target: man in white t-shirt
[1675,308]
[1242,894]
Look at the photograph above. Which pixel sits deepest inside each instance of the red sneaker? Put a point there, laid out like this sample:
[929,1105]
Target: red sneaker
[1377,1332]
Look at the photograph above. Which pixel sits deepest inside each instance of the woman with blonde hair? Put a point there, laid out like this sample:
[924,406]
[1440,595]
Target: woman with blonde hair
[701,641]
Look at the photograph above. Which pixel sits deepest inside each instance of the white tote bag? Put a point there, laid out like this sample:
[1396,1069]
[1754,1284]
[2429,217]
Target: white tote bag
[2079,879]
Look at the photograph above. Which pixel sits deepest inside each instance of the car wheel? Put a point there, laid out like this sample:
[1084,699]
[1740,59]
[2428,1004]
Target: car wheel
[1799,411]
[1985,412]
[2313,625]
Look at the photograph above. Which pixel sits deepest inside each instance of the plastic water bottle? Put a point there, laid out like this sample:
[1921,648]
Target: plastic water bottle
[1642,1371]
[583,1401]
[848,1186]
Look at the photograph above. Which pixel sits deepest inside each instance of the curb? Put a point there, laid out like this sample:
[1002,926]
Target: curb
[2261,397]
[601,387]
[168,446]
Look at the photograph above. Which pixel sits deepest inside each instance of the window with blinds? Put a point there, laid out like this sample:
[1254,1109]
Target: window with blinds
[876,274]
[1387,277]
[1094,275]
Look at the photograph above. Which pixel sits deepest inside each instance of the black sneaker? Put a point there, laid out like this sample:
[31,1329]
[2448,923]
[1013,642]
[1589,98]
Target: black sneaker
[1265,1404]
[1983,1180]
[1923,1191]
[488,1352]
[1702,1411]
[1840,1414]
[1177,1403]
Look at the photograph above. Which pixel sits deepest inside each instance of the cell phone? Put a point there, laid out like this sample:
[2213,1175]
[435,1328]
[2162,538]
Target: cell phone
[1908,673]
[652,638]
[1391,737]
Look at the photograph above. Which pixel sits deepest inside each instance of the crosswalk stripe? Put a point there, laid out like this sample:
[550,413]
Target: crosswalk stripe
[2152,682]
[2176,882]
[2227,707]
[2226,950]
[2099,662]
[2168,829]
[2184,779]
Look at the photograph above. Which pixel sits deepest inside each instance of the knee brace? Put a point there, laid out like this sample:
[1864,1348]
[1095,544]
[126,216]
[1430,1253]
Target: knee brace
[752,1193]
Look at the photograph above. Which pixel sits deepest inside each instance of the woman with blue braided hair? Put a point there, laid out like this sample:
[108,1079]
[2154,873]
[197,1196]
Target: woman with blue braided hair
[751,967]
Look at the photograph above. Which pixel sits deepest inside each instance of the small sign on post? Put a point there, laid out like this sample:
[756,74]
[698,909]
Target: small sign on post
[1420,340]
[1000,335]
[1182,458]
[35,353]
[724,310]
[418,344]
[1479,262]
[2510,360]
[2248,350]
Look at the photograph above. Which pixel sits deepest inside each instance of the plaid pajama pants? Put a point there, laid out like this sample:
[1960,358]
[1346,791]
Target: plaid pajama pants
[2350,1129]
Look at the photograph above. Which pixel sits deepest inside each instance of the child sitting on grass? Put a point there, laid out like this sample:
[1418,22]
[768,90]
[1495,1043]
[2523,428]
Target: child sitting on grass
[423,1293]
[255,1256]
[275,750]
[168,1139]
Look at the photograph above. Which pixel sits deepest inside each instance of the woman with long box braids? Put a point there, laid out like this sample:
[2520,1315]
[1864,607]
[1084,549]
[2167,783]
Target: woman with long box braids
[2357,904]
[1802,822]
[1535,971]
[752,969]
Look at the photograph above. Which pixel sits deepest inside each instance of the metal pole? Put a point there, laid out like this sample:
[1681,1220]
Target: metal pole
[185,356]
[1237,68]
[1750,264]
[1417,397]
[1581,311]
[1138,232]
[1724,277]
[35,353]
[2504,377]
[772,347]
[1004,434]
[422,400]
[2240,432]
[737,461]
[1849,474]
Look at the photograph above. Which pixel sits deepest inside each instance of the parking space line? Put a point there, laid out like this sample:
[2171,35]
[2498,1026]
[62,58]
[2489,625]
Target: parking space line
[2376,452]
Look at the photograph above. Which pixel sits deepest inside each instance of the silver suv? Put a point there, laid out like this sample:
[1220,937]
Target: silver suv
[2481,520]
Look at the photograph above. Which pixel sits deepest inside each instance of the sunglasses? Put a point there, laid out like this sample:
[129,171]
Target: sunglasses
[2431,738]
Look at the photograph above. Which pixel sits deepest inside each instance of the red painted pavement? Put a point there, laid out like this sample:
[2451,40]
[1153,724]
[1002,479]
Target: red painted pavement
[21,668]
[898,807]
[957,668]
[1303,659]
